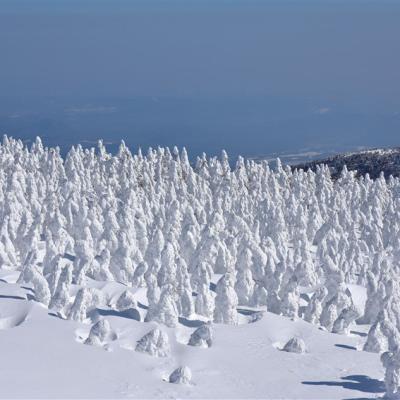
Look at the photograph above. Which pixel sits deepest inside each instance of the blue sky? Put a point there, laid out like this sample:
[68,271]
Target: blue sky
[277,68]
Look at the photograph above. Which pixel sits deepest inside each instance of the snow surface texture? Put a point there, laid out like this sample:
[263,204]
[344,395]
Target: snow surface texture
[207,272]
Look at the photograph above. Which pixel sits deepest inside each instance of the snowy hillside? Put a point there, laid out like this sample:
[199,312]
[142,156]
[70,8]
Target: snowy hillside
[372,162]
[143,276]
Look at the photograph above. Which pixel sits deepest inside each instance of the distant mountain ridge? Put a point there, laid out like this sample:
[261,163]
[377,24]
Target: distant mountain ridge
[372,162]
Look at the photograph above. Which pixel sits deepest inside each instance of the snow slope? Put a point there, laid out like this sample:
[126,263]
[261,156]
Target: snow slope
[373,162]
[44,356]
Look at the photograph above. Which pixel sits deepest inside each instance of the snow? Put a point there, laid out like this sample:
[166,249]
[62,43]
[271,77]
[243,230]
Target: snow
[295,345]
[202,336]
[117,270]
[154,343]
[46,355]
[181,375]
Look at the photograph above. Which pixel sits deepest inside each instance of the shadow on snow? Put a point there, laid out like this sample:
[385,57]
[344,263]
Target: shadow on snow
[346,346]
[4,296]
[361,383]
[130,313]
[190,323]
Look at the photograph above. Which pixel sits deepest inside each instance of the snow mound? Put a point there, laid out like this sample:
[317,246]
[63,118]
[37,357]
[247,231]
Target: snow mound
[13,313]
[202,336]
[295,345]
[154,343]
[100,333]
[181,375]
[13,320]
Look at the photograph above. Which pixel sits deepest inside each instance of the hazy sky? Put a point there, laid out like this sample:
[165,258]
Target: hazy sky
[342,52]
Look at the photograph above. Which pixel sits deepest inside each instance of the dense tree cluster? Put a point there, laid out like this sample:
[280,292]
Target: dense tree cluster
[158,222]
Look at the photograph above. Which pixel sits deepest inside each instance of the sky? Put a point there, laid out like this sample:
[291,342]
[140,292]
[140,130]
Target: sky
[255,77]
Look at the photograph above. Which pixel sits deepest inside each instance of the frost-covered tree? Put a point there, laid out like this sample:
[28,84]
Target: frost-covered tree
[185,302]
[86,300]
[376,341]
[295,345]
[41,288]
[33,274]
[181,375]
[391,363]
[328,316]
[204,303]
[202,336]
[244,285]
[165,311]
[61,296]
[100,333]
[126,301]
[226,301]
[155,221]
[154,343]
[315,306]
[290,299]
[346,317]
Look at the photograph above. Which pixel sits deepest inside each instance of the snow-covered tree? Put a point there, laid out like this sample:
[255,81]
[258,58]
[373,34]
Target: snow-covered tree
[61,296]
[126,301]
[155,221]
[181,375]
[154,343]
[295,345]
[391,363]
[226,301]
[100,333]
[202,336]
[165,311]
